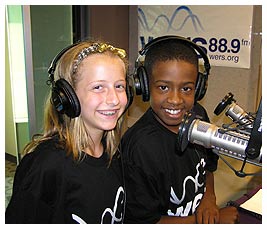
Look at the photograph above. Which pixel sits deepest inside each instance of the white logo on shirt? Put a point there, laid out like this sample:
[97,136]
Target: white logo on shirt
[78,219]
[113,212]
[191,204]
[107,211]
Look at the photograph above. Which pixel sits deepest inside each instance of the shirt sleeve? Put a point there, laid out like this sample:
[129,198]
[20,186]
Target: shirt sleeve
[34,192]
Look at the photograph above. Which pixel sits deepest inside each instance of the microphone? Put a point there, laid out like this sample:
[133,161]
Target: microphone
[211,136]
[234,111]
[229,143]
[245,123]
[232,142]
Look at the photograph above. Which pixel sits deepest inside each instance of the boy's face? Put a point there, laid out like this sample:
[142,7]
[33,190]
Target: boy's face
[172,91]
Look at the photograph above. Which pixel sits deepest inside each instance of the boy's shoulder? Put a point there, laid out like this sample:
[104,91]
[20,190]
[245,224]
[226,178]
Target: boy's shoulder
[145,122]
[200,111]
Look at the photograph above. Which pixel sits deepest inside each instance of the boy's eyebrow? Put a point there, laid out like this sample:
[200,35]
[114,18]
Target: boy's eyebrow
[166,81]
[162,81]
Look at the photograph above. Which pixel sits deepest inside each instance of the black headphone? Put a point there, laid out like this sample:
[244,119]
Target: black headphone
[63,95]
[141,78]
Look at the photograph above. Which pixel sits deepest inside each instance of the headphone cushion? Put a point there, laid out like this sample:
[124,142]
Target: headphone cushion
[201,87]
[144,83]
[130,95]
[65,99]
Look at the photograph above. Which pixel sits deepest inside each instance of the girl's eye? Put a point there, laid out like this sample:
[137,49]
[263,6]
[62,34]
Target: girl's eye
[121,87]
[98,87]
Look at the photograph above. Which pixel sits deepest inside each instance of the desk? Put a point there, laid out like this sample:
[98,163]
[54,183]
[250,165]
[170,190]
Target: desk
[245,217]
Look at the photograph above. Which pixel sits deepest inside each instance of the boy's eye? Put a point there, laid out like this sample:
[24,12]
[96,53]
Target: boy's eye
[163,87]
[186,89]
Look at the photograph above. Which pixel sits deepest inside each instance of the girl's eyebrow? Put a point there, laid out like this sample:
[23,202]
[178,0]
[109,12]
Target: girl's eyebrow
[103,81]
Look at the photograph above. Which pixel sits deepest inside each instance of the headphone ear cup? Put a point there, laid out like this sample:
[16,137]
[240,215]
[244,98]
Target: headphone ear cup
[201,86]
[65,99]
[142,83]
[130,95]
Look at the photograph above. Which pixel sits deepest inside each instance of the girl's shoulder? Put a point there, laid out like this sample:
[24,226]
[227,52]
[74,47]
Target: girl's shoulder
[48,155]
[50,149]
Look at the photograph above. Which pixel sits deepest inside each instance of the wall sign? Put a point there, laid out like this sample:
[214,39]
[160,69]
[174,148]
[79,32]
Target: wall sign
[224,32]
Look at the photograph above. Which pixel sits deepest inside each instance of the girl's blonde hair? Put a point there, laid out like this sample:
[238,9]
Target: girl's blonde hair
[72,134]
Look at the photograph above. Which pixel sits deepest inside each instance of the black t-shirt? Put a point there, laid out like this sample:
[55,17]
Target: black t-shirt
[159,179]
[49,187]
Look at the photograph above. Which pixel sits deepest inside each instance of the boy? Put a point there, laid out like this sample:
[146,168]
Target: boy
[164,185]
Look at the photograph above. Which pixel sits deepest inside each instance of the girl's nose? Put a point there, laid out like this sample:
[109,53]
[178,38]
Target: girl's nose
[112,97]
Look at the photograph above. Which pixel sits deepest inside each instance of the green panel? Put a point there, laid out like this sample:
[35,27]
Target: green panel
[51,31]
[22,135]
[14,14]
[10,131]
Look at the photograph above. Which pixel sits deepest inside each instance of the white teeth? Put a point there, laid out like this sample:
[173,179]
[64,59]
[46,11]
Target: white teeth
[108,113]
[172,111]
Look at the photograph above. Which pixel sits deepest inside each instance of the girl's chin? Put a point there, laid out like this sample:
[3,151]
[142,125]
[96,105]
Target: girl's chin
[108,127]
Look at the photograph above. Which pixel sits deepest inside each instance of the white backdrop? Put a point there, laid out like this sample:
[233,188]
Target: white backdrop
[223,31]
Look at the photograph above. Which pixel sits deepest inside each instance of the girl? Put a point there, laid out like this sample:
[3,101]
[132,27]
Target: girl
[72,173]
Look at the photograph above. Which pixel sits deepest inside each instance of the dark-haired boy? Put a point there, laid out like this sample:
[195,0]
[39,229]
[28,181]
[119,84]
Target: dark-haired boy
[164,185]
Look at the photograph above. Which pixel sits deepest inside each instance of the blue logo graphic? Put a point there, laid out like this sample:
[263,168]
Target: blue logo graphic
[170,21]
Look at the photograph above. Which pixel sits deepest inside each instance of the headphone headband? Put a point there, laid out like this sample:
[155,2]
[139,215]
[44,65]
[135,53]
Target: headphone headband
[94,48]
[53,64]
[157,40]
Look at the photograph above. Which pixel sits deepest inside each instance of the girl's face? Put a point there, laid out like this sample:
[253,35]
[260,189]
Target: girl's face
[101,90]
[172,91]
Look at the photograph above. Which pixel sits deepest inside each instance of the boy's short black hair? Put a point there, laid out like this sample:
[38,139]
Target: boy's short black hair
[169,50]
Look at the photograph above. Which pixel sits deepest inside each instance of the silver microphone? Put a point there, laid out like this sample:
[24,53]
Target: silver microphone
[234,111]
[237,114]
[241,140]
[226,142]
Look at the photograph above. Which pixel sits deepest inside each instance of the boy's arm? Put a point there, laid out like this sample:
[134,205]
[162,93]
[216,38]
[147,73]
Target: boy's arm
[208,211]
[177,220]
